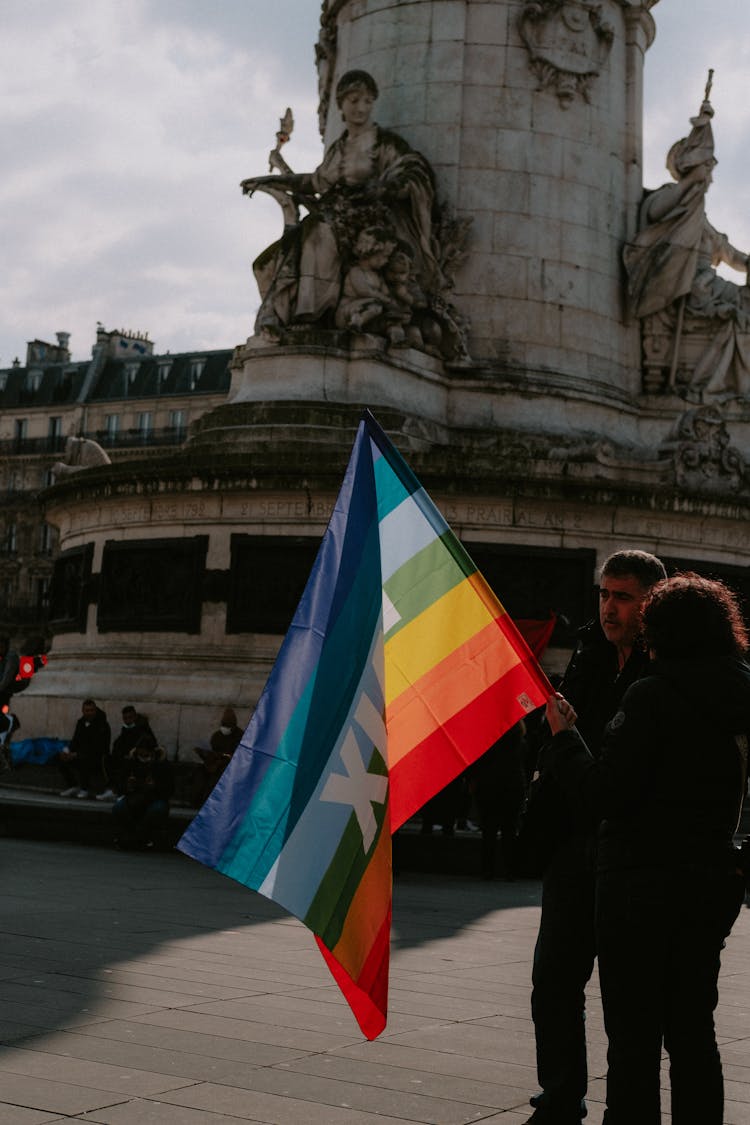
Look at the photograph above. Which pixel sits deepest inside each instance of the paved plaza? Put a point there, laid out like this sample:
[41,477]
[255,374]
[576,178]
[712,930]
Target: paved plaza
[142,989]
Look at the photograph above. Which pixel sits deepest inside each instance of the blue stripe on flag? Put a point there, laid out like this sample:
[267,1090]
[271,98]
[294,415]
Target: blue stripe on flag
[265,789]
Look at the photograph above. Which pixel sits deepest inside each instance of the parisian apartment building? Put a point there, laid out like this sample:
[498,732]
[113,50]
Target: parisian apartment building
[129,398]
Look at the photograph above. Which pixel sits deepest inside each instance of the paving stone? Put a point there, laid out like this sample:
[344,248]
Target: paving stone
[244,1022]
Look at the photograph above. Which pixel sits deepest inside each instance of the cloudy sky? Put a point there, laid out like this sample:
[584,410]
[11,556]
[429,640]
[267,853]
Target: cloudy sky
[127,125]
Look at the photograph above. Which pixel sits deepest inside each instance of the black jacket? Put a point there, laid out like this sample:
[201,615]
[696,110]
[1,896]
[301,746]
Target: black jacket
[146,781]
[128,737]
[91,737]
[595,685]
[668,786]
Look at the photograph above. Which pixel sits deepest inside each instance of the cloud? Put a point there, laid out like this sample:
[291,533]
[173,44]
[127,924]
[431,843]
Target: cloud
[687,45]
[127,127]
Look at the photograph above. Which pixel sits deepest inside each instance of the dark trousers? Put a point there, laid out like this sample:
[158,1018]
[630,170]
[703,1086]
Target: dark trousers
[499,815]
[139,820]
[660,934]
[82,770]
[563,963]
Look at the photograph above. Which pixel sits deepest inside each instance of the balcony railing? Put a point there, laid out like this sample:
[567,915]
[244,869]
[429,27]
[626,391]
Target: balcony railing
[123,439]
[37,445]
[127,439]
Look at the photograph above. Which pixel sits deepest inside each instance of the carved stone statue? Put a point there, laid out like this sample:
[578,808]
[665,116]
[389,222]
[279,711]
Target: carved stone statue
[568,43]
[370,179]
[693,319]
[80,453]
[703,456]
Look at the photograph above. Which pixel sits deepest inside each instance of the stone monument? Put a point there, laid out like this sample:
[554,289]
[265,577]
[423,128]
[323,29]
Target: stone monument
[454,263]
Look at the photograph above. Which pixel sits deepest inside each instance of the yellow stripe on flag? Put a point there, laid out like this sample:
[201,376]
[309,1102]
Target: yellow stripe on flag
[447,688]
[433,635]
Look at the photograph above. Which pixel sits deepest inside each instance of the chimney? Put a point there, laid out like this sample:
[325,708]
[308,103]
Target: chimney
[63,343]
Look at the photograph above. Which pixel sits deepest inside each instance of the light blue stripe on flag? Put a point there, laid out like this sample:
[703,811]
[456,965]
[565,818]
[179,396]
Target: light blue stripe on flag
[310,849]
[404,532]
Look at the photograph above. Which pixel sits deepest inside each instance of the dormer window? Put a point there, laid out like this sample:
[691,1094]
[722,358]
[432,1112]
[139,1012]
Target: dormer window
[131,370]
[196,370]
[33,380]
[165,366]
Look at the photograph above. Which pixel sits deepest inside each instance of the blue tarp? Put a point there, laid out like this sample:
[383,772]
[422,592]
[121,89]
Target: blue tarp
[36,751]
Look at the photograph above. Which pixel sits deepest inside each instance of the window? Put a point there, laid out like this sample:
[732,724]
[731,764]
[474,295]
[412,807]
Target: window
[54,434]
[165,366]
[42,592]
[14,481]
[112,425]
[145,423]
[21,429]
[45,539]
[11,539]
[33,380]
[177,419]
[196,370]
[131,371]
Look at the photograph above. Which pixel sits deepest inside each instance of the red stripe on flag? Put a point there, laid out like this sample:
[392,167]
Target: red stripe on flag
[368,995]
[445,753]
[532,668]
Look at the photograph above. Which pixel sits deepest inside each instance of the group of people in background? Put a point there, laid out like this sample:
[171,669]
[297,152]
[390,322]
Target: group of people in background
[137,775]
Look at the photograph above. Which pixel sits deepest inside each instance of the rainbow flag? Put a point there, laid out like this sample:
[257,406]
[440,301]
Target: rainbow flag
[399,669]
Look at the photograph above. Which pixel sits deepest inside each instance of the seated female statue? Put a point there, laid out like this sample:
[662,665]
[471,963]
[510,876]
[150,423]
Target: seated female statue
[369,178]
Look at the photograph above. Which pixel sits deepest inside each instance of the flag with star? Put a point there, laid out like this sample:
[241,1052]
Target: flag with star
[399,669]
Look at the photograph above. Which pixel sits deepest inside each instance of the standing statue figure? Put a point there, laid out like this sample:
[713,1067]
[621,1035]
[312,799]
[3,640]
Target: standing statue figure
[370,179]
[671,269]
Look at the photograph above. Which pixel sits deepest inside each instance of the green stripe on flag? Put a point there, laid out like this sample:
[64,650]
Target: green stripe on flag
[426,577]
[329,908]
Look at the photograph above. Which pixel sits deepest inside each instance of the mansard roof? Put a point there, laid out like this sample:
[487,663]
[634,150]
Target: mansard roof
[200,372]
[55,385]
[154,376]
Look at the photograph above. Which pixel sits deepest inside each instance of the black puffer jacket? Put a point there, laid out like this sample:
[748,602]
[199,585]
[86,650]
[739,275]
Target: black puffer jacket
[669,783]
[594,683]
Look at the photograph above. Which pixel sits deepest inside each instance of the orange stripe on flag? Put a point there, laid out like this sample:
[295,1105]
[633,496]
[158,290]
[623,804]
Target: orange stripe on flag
[447,688]
[369,905]
[435,633]
[462,739]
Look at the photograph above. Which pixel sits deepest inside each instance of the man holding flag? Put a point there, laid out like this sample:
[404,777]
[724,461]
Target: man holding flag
[400,668]
[609,658]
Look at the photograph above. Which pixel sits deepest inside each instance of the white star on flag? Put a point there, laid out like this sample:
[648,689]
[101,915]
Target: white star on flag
[357,787]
